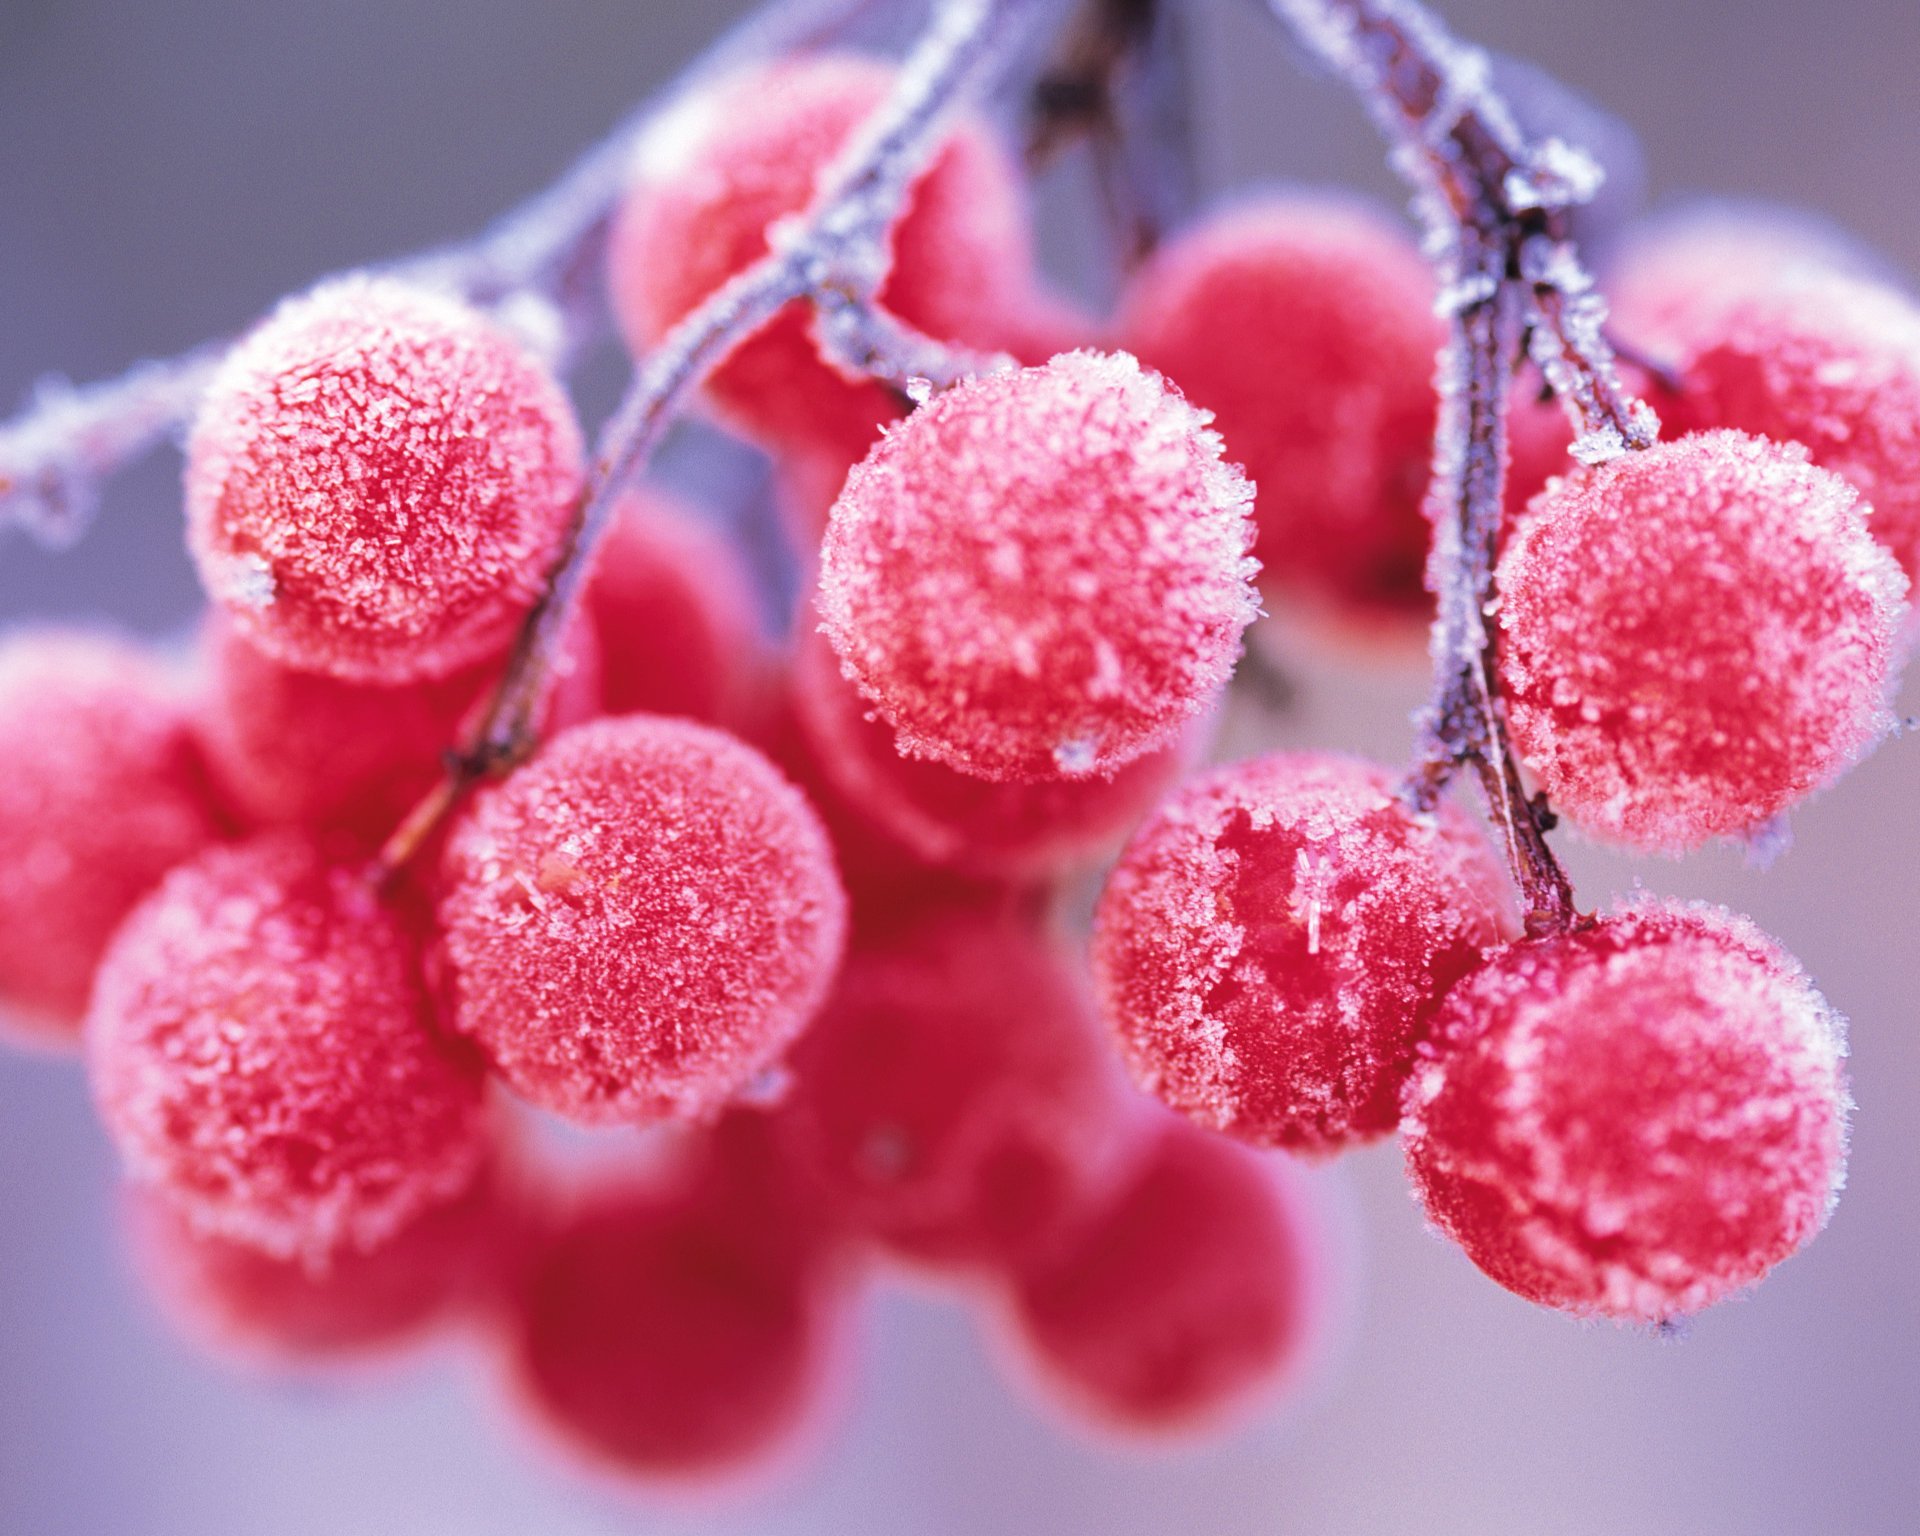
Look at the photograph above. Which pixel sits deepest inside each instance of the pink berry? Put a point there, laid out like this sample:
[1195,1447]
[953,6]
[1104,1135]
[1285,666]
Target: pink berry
[103,794]
[260,1050]
[954,1101]
[260,1309]
[1634,1119]
[1694,637]
[675,616]
[1827,361]
[1274,937]
[953,820]
[1680,271]
[378,482]
[749,150]
[670,1331]
[638,921]
[1189,1298]
[292,746]
[1305,324]
[1042,573]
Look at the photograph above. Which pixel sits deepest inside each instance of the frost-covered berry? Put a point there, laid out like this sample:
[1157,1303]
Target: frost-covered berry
[639,920]
[260,1309]
[955,1100]
[1677,272]
[1693,637]
[293,746]
[669,1331]
[1827,361]
[103,793]
[1305,324]
[674,613]
[1042,573]
[1635,1119]
[260,1049]
[739,155]
[1190,1297]
[953,820]
[1274,937]
[378,481]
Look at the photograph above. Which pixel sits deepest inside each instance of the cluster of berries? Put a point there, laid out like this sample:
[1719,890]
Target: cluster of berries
[801,908]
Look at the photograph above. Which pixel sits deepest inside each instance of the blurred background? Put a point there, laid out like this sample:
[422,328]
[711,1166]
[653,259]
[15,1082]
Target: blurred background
[166,171]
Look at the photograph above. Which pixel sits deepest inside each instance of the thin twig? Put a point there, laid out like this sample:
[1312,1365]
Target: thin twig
[58,455]
[1494,205]
[837,246]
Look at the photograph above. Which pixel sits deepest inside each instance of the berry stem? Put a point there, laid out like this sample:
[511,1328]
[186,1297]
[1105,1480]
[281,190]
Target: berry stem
[863,338]
[57,456]
[837,247]
[1495,208]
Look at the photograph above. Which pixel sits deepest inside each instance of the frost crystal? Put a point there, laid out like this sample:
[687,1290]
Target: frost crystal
[1556,176]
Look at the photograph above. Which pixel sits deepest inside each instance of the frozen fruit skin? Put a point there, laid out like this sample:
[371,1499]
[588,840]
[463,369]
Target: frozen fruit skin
[952,820]
[378,481]
[1042,573]
[954,1101]
[639,920]
[667,1331]
[261,1310]
[1271,943]
[1693,637]
[1825,360]
[288,746]
[1633,1120]
[104,792]
[1305,324]
[675,615]
[1187,1299]
[748,150]
[260,1050]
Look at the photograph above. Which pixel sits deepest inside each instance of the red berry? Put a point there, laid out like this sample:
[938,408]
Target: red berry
[1272,940]
[378,482]
[1635,1119]
[292,746]
[259,1309]
[1693,637]
[664,1330]
[260,1050]
[1827,361]
[954,1100]
[747,151]
[1306,325]
[953,820]
[1042,573]
[675,615]
[1679,271]
[639,920]
[103,794]
[1187,1299]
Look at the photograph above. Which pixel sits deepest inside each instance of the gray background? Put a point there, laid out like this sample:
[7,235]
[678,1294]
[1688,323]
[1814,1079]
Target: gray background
[167,169]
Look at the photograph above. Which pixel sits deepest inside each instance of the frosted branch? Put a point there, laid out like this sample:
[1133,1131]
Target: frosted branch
[865,340]
[542,260]
[1495,205]
[840,245]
